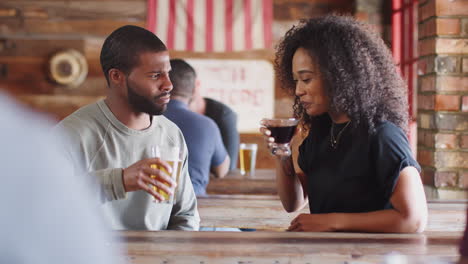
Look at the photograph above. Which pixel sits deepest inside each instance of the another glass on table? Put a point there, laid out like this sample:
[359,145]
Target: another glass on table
[172,156]
[282,130]
[247,158]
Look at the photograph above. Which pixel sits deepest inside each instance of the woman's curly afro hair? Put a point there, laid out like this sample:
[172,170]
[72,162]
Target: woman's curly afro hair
[360,76]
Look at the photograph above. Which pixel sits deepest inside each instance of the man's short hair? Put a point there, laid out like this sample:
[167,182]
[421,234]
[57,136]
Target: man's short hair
[122,48]
[183,78]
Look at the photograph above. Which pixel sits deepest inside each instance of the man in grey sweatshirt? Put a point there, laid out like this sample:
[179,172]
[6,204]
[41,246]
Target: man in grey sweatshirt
[112,138]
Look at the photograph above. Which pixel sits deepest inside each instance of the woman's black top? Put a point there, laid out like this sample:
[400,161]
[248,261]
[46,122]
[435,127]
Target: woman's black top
[359,175]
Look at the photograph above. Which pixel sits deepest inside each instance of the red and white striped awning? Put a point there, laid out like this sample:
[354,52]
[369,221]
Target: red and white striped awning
[212,25]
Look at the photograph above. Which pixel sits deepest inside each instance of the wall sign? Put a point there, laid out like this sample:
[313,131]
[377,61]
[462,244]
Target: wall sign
[247,86]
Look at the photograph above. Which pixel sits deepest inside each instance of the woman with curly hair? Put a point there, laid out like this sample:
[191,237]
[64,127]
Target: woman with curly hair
[356,168]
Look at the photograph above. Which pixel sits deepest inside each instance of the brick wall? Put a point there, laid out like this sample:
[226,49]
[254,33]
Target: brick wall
[443,93]
[376,13]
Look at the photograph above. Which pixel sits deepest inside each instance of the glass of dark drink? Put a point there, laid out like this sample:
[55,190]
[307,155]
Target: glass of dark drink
[282,130]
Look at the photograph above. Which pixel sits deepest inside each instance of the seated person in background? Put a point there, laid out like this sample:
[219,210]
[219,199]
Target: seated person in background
[204,143]
[49,214]
[224,117]
[358,172]
[112,137]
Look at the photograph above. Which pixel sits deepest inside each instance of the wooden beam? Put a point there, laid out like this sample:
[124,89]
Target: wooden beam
[96,27]
[41,86]
[8,12]
[42,46]
[79,9]
[57,106]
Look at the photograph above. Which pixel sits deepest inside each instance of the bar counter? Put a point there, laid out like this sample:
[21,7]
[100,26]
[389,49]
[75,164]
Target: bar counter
[265,212]
[284,247]
[263,182]
[252,203]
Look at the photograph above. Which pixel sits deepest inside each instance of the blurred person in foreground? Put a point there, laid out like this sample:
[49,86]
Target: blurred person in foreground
[49,214]
[206,150]
[112,137]
[357,172]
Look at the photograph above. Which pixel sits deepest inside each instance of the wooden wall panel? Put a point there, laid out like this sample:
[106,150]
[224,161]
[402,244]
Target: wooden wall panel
[101,27]
[90,87]
[57,106]
[70,17]
[37,46]
[88,10]
[32,31]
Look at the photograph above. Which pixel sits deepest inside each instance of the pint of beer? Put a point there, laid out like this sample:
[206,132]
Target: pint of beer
[171,155]
[247,157]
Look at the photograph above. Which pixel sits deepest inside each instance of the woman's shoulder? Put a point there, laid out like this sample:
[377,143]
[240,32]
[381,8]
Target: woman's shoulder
[387,128]
[388,131]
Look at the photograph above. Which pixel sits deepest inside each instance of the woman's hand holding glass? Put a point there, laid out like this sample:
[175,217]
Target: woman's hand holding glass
[278,133]
[268,138]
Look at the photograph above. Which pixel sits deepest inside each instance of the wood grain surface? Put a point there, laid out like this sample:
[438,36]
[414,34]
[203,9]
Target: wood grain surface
[267,213]
[234,183]
[284,247]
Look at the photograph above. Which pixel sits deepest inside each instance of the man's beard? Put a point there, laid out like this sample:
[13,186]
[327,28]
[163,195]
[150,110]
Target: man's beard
[141,104]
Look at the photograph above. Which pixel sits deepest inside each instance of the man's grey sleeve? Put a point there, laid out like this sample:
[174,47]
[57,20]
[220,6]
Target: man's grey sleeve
[109,181]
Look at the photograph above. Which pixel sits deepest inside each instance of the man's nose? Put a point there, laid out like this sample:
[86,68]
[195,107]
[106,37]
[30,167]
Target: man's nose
[167,84]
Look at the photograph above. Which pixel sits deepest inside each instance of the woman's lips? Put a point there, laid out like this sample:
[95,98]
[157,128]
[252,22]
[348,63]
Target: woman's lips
[306,105]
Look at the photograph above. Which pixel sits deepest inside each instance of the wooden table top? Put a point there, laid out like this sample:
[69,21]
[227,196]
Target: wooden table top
[234,183]
[264,212]
[284,247]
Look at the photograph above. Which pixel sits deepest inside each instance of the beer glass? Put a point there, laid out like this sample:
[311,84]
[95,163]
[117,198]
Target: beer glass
[247,157]
[282,130]
[171,155]
[179,169]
